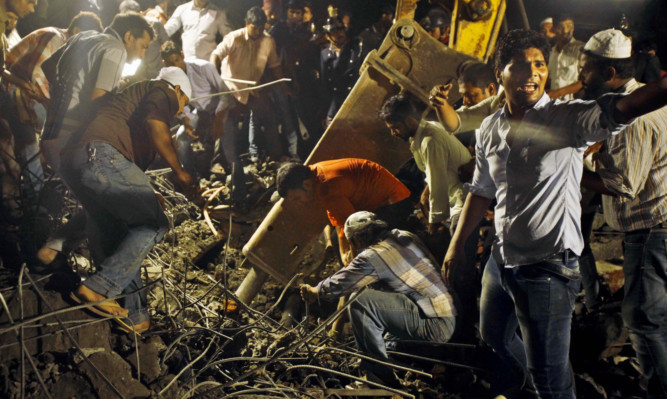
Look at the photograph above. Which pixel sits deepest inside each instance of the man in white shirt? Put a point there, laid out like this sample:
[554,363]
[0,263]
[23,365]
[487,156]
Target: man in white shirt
[245,54]
[564,60]
[439,155]
[201,21]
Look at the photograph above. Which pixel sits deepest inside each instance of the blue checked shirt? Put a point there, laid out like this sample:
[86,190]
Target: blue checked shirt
[399,263]
[536,181]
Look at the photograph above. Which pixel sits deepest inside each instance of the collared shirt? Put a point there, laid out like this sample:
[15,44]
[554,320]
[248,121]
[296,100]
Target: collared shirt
[564,65]
[26,58]
[399,263]
[245,58]
[205,80]
[471,118]
[634,165]
[200,26]
[440,154]
[89,60]
[536,181]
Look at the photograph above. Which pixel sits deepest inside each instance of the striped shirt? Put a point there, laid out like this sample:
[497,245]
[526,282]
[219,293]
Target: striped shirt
[26,58]
[399,263]
[634,165]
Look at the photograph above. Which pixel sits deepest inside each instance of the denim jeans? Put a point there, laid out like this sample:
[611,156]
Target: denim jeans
[375,313]
[288,118]
[589,273]
[644,307]
[117,196]
[543,303]
[228,145]
[262,116]
[498,328]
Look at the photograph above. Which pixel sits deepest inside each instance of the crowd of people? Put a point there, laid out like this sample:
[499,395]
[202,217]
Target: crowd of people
[550,130]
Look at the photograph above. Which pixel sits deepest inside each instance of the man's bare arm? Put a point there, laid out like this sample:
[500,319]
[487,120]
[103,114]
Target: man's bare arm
[446,113]
[161,137]
[593,182]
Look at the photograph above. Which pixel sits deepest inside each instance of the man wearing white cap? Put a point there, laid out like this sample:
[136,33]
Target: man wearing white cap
[408,298]
[104,168]
[632,171]
[546,27]
[529,157]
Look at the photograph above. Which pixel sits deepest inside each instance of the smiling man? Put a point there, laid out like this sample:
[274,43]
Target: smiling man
[529,159]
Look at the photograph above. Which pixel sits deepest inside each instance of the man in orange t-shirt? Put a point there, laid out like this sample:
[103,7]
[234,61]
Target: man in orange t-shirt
[345,186]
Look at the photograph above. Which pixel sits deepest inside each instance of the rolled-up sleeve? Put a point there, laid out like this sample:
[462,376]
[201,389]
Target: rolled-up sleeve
[436,159]
[594,120]
[358,274]
[623,174]
[482,183]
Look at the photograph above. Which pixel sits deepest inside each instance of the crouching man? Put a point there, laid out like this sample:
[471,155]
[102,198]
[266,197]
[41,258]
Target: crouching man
[105,169]
[408,298]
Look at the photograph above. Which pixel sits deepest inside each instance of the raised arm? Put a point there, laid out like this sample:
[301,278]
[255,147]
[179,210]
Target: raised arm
[641,101]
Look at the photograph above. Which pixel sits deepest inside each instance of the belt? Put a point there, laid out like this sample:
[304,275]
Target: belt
[549,265]
[658,227]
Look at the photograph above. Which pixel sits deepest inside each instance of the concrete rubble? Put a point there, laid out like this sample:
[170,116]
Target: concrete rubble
[203,344]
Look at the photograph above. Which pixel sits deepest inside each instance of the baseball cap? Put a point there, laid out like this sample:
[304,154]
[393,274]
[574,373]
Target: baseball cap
[610,43]
[359,221]
[177,77]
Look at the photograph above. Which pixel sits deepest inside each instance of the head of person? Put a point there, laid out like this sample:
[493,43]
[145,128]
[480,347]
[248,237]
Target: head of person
[12,20]
[179,81]
[477,83]
[401,116]
[200,3]
[606,63]
[363,229]
[255,19]
[129,6]
[335,31]
[21,7]
[521,61]
[84,21]
[564,28]
[135,32]
[437,23]
[172,55]
[546,27]
[387,15]
[307,13]
[294,182]
[295,12]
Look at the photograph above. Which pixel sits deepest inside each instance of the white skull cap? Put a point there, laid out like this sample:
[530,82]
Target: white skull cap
[547,21]
[176,77]
[610,43]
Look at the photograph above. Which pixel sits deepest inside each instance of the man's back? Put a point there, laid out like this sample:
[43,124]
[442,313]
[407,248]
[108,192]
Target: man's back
[348,185]
[88,61]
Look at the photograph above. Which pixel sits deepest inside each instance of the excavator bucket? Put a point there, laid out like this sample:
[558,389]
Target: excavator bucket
[409,60]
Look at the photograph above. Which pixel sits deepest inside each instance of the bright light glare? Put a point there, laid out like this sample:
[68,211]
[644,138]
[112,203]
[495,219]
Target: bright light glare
[131,68]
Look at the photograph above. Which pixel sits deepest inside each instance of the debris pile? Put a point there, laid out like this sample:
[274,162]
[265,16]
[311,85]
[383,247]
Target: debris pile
[204,343]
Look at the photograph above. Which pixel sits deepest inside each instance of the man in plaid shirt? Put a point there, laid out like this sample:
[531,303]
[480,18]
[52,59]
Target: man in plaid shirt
[407,299]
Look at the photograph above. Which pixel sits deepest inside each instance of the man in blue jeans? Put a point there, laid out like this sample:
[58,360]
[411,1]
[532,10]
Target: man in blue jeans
[529,157]
[631,172]
[408,298]
[104,168]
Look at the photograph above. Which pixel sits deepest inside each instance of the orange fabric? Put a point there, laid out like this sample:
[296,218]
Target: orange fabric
[349,185]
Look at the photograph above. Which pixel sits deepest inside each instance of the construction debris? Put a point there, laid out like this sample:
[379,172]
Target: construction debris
[205,343]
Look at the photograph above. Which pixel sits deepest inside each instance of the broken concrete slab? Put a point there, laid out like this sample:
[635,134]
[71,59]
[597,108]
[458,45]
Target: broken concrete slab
[119,373]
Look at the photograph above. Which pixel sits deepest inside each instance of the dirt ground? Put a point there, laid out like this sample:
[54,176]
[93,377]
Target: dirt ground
[204,344]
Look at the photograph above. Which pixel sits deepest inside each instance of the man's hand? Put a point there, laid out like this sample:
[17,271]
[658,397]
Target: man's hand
[34,92]
[187,183]
[308,293]
[453,259]
[439,95]
[433,228]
